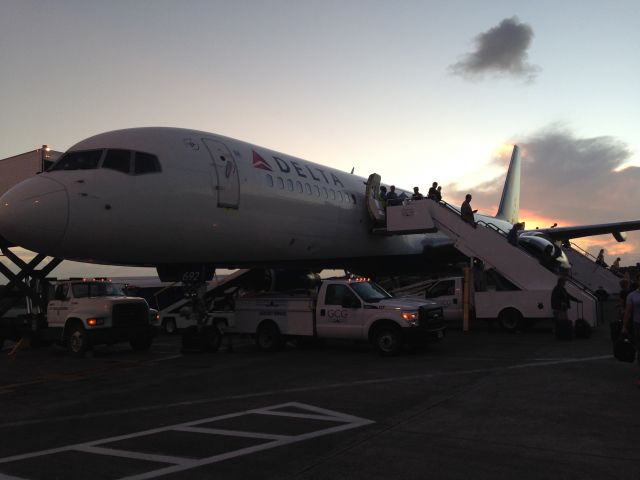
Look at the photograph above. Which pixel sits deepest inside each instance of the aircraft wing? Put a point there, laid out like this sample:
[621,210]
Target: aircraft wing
[617,229]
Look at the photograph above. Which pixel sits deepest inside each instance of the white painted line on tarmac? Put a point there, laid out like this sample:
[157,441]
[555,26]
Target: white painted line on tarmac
[312,388]
[178,464]
[232,433]
[172,357]
[114,452]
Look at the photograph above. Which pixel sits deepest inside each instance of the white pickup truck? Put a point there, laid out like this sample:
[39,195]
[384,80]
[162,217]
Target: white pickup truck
[342,308]
[81,313]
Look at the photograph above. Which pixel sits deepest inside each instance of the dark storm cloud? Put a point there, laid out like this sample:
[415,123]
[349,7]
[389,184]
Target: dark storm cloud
[501,49]
[572,178]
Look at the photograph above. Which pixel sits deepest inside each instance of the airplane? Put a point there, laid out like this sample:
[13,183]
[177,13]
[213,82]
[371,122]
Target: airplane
[187,202]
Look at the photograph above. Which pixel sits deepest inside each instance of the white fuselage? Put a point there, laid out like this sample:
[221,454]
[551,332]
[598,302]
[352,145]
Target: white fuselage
[215,200]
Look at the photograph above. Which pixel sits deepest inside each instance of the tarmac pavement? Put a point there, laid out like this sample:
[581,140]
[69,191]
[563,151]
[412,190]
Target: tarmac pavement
[479,405]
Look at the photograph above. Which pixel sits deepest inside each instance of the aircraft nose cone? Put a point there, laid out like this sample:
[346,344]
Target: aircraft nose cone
[34,214]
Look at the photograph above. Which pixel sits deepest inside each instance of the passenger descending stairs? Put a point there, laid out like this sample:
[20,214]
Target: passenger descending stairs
[490,245]
[585,269]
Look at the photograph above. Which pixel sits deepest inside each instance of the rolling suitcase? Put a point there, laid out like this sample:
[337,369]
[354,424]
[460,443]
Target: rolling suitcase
[582,327]
[624,350]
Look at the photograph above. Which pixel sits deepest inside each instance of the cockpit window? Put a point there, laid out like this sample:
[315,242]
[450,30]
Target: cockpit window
[119,160]
[86,160]
[146,163]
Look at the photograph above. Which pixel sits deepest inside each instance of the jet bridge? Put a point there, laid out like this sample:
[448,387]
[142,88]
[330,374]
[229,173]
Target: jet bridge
[487,243]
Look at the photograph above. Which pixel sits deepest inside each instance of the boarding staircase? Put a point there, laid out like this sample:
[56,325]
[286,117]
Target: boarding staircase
[585,269]
[489,244]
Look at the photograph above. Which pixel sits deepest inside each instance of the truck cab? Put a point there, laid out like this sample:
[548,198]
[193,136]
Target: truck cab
[447,293]
[86,312]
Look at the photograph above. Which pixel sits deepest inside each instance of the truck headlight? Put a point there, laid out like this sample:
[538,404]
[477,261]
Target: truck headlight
[94,322]
[410,317]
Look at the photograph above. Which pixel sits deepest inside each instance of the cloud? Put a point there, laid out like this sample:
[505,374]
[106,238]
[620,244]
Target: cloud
[572,181]
[501,50]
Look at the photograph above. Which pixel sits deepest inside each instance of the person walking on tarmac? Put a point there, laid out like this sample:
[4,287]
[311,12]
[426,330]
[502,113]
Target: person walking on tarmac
[632,313]
[560,298]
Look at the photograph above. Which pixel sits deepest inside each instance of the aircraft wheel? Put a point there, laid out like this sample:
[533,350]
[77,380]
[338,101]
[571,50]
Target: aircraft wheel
[510,319]
[268,337]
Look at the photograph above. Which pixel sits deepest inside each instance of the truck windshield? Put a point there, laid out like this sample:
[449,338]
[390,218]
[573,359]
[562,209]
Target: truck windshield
[370,292]
[97,289]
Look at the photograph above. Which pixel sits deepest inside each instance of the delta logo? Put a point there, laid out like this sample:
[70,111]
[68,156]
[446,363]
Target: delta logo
[259,162]
[300,169]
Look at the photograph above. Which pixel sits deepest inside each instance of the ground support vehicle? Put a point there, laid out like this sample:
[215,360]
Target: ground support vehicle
[81,313]
[512,308]
[337,309]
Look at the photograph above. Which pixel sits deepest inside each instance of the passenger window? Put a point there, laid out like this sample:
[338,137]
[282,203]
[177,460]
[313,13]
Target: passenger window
[269,180]
[289,185]
[119,160]
[146,163]
[86,160]
[280,183]
[307,187]
[299,186]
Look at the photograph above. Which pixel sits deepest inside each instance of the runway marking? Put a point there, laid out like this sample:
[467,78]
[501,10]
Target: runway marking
[355,383]
[178,464]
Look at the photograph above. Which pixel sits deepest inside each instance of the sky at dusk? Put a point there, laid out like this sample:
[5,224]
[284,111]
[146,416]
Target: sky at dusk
[417,91]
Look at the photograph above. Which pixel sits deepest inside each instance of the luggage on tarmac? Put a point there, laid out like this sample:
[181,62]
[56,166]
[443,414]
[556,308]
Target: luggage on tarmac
[624,350]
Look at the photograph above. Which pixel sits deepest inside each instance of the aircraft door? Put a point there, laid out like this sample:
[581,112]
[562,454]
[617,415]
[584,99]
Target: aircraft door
[228,179]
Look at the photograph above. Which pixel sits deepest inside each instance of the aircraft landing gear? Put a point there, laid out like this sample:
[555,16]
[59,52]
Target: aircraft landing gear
[203,336]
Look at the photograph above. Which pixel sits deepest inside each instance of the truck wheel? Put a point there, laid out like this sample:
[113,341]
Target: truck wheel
[170,326]
[211,338]
[510,319]
[268,337]
[387,340]
[77,341]
[141,343]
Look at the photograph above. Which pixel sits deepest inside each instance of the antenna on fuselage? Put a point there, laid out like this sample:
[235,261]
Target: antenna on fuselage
[352,169]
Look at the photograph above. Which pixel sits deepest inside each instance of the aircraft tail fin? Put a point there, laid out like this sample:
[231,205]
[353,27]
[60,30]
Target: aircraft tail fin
[510,201]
